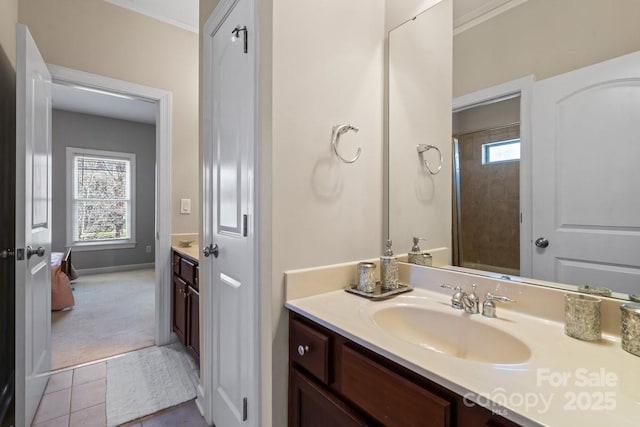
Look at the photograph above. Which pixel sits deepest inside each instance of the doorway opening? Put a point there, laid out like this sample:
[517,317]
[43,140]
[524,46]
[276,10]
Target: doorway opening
[486,192]
[94,115]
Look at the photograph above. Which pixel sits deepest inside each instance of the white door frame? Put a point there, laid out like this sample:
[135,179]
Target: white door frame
[162,98]
[523,87]
[205,392]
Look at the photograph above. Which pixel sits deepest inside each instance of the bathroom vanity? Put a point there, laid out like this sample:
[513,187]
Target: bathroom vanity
[333,381]
[185,307]
[415,360]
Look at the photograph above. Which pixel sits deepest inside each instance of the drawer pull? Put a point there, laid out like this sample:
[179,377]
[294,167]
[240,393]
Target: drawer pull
[303,349]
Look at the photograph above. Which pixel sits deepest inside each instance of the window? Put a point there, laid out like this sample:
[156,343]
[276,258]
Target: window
[501,151]
[100,192]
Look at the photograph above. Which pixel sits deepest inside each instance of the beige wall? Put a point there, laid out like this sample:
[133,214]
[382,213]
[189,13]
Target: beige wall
[101,38]
[399,11]
[8,19]
[327,69]
[420,113]
[544,38]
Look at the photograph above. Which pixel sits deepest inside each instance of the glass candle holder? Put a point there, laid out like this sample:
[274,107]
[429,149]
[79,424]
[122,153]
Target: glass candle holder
[366,277]
[582,317]
[630,328]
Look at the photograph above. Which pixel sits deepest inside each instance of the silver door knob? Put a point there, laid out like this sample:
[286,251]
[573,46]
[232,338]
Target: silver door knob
[6,253]
[303,349]
[542,242]
[211,250]
[39,251]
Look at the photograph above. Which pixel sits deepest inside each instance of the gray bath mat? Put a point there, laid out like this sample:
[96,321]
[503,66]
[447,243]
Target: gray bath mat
[149,380]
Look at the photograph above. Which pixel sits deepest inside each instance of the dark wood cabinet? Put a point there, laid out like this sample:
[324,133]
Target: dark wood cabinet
[186,303]
[313,406]
[180,308]
[336,382]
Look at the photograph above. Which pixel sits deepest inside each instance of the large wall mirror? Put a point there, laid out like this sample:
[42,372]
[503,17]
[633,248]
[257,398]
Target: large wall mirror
[539,174]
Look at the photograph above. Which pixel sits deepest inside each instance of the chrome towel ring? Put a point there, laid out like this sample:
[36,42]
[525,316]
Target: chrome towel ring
[338,130]
[426,147]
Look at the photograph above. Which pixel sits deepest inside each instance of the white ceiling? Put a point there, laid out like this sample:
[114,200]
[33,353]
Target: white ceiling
[181,13]
[99,103]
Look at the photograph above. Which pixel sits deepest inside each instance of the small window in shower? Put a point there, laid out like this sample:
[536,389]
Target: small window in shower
[501,151]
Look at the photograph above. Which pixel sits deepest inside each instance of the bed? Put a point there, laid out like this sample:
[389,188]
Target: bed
[62,273]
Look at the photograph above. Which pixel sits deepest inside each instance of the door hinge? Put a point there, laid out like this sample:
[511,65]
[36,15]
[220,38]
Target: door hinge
[244,409]
[245,225]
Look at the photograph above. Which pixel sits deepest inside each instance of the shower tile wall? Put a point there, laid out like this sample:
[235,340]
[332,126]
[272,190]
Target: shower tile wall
[490,204]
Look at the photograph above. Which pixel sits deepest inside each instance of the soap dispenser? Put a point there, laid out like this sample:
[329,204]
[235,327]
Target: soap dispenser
[417,256]
[388,269]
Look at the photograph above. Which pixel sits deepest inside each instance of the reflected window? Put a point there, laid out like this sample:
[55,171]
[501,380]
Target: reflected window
[501,151]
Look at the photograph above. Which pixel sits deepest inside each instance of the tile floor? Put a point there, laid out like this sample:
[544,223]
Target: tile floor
[76,398]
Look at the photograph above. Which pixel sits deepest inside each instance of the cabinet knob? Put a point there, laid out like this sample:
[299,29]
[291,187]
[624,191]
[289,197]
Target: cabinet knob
[303,349]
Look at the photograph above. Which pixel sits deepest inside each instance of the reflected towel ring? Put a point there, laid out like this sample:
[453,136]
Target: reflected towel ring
[426,147]
[338,130]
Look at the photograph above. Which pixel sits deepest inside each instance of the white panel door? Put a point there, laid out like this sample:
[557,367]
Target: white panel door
[586,197]
[228,218]
[33,227]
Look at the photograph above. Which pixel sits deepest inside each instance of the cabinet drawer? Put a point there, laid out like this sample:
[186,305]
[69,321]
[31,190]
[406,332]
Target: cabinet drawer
[187,271]
[196,279]
[388,397]
[309,348]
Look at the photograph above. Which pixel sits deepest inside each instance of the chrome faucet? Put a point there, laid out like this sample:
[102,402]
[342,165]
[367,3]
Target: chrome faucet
[471,302]
[489,307]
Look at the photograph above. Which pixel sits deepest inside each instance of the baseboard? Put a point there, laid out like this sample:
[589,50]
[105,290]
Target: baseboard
[116,268]
[200,400]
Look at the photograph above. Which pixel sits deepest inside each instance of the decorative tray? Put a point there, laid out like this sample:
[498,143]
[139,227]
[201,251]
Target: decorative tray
[378,294]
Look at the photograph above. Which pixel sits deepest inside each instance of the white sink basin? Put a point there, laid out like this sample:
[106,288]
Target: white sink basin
[451,333]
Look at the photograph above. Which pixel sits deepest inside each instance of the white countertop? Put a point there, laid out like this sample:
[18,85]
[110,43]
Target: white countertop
[565,382]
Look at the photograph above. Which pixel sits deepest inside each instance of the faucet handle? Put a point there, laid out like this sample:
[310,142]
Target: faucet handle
[489,307]
[456,299]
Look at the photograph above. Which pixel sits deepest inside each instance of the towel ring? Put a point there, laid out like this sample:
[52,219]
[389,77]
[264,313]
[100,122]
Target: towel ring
[338,130]
[426,147]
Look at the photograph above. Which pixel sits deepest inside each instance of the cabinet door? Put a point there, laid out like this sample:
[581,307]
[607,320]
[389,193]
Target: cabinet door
[312,406]
[193,319]
[180,308]
[388,397]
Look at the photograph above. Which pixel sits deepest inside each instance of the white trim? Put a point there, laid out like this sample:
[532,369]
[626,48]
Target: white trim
[115,268]
[485,12]
[102,246]
[129,242]
[205,392]
[522,87]
[163,181]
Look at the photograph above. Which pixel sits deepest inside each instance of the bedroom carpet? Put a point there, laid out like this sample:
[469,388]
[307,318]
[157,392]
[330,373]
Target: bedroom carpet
[147,381]
[113,314]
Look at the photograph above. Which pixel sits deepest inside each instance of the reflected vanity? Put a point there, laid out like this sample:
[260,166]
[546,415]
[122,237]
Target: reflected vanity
[492,56]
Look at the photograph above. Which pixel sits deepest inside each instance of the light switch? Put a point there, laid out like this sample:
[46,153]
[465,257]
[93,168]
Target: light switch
[185,206]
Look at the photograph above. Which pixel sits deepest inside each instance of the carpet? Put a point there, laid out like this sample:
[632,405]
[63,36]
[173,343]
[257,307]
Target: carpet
[149,380]
[114,314]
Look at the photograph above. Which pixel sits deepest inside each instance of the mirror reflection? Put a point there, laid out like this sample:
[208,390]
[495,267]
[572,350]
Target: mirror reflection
[567,211]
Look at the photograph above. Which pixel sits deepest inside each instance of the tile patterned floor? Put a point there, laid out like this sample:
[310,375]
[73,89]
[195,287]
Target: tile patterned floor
[76,398]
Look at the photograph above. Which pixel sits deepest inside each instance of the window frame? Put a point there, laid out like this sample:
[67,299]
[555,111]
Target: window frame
[126,243]
[487,146]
